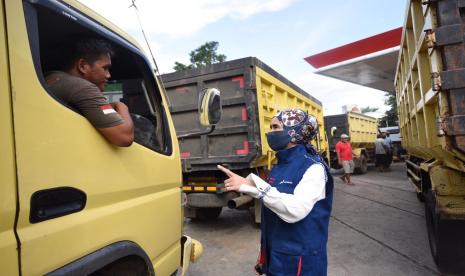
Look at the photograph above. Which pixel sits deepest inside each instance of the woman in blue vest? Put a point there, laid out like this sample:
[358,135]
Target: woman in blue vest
[297,198]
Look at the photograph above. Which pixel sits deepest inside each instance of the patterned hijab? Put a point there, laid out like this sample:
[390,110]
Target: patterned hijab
[300,126]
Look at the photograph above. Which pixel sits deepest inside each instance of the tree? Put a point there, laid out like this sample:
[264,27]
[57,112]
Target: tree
[369,109]
[179,66]
[204,55]
[390,118]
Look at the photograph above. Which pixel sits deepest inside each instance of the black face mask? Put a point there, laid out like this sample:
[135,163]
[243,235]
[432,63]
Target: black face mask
[278,140]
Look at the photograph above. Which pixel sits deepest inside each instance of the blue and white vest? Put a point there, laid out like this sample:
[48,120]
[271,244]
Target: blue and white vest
[296,248]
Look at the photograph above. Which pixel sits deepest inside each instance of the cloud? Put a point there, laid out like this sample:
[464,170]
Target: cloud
[180,17]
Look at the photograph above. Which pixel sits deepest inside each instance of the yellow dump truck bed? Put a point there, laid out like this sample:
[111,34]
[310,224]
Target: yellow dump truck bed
[362,129]
[429,88]
[273,95]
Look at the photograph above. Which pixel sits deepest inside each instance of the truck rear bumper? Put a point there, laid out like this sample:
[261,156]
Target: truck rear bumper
[209,200]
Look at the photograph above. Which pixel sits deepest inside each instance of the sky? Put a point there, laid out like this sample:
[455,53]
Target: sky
[281,33]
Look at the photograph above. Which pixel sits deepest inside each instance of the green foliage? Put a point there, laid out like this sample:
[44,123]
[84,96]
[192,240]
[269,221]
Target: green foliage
[368,109]
[179,66]
[204,55]
[390,118]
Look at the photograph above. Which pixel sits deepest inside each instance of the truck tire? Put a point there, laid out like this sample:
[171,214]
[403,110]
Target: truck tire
[363,165]
[208,213]
[446,239]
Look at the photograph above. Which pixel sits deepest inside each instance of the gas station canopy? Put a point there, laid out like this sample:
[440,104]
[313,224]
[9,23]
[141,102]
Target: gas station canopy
[369,62]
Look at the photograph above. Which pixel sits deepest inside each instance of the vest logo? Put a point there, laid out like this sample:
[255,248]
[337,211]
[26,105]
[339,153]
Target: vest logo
[271,180]
[285,182]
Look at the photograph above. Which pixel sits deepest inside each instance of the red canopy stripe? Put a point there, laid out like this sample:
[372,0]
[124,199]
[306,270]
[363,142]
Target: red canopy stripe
[356,49]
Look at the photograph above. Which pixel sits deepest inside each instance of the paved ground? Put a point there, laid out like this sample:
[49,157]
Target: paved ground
[377,228]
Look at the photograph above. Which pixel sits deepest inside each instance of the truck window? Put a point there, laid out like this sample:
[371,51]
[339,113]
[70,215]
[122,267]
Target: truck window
[393,131]
[51,23]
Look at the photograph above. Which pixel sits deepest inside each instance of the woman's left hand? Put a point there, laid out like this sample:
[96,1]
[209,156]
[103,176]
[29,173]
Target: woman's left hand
[234,182]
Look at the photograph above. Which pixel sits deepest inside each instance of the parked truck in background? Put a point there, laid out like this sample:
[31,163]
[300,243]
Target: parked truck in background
[70,202]
[252,93]
[430,91]
[362,131]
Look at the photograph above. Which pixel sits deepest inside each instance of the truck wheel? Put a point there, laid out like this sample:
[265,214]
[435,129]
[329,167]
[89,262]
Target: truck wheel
[446,239]
[208,213]
[363,165]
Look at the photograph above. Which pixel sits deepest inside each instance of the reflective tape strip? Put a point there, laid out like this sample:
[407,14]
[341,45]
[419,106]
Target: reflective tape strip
[245,150]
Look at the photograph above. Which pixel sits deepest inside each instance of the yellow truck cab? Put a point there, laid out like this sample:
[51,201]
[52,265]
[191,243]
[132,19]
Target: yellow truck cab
[70,202]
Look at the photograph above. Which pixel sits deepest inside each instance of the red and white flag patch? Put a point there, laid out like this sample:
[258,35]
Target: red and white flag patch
[107,109]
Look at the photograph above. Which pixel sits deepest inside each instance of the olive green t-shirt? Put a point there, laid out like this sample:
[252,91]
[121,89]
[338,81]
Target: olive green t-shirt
[85,97]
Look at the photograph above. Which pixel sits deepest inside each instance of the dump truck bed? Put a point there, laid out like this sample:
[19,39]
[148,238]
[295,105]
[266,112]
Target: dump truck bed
[430,83]
[362,129]
[252,93]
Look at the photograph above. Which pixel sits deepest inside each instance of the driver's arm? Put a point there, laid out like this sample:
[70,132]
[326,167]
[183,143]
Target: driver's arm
[121,135]
[111,120]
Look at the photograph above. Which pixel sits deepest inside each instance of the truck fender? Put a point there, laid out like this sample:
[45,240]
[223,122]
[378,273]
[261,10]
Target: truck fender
[102,257]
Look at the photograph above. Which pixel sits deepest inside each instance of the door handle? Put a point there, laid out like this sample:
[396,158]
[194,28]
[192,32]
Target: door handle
[56,202]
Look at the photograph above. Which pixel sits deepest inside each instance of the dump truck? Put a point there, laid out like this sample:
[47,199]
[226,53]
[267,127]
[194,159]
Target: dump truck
[430,91]
[362,131]
[70,202]
[251,94]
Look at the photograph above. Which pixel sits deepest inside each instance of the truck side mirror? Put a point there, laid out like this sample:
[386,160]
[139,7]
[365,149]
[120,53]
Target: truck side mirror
[333,129]
[210,106]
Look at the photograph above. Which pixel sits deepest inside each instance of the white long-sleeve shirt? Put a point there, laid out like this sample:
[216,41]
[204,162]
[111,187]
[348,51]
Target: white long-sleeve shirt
[291,207]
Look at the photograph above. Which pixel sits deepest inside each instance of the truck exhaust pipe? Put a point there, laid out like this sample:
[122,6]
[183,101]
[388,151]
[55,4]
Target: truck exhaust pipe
[239,201]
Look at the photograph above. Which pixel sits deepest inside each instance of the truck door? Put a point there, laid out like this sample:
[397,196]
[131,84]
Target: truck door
[78,193]
[9,255]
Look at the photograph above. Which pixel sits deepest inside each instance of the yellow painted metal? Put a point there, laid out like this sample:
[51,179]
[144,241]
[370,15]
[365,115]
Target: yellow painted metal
[199,188]
[449,187]
[273,95]
[168,260]
[362,130]
[126,187]
[356,151]
[451,207]
[187,247]
[186,188]
[447,182]
[211,188]
[420,107]
[8,255]
[196,249]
